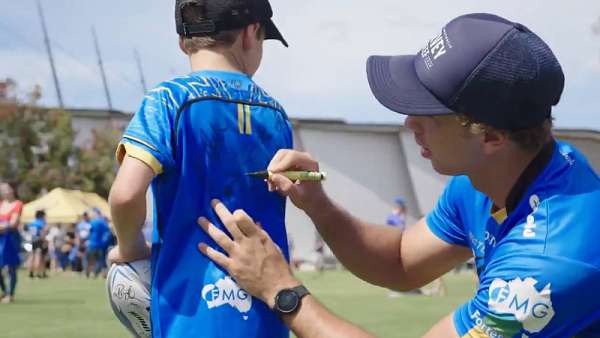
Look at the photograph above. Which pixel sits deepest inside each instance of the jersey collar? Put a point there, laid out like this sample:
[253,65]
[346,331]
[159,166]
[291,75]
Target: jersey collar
[530,173]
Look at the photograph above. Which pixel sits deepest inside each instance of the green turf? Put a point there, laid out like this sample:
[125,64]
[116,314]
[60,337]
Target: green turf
[372,308]
[69,306]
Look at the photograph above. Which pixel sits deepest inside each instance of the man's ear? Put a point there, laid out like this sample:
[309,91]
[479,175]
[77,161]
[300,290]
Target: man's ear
[182,45]
[250,36]
[494,140]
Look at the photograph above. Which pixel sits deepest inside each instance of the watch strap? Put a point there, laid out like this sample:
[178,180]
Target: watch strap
[301,291]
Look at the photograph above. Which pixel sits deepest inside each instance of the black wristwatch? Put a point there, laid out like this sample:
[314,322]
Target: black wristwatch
[287,301]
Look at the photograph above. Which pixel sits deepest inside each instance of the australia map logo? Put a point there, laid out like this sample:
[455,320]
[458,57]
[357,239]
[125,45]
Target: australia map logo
[226,292]
[521,299]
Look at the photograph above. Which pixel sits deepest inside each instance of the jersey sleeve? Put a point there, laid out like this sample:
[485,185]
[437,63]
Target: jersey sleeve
[444,220]
[531,296]
[148,136]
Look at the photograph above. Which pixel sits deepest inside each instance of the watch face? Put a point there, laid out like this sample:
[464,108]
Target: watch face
[287,301]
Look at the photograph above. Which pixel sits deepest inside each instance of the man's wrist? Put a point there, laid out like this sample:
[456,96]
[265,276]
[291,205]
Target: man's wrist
[319,206]
[269,296]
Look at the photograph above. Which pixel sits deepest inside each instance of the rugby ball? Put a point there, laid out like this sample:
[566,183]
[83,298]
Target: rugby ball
[128,287]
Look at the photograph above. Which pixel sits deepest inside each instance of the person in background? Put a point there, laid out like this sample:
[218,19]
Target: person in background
[97,244]
[10,240]
[38,230]
[398,216]
[397,219]
[64,250]
[56,239]
[78,254]
[319,254]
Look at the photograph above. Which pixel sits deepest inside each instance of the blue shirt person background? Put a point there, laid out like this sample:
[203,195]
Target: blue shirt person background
[37,231]
[97,245]
[397,218]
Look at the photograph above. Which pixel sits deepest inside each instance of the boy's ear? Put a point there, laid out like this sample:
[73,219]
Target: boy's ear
[182,45]
[250,35]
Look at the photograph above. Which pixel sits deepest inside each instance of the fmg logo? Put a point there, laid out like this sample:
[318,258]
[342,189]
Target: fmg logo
[522,300]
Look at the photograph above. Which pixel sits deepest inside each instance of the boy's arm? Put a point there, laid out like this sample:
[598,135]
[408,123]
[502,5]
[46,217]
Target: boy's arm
[128,209]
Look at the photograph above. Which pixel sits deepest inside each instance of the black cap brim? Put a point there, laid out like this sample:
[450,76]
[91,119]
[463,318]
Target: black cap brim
[394,82]
[272,33]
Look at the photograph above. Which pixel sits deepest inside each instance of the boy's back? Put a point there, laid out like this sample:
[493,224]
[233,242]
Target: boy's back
[207,131]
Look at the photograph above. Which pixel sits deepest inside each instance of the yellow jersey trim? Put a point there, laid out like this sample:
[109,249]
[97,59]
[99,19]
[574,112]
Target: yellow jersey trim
[500,216]
[248,121]
[140,141]
[475,332]
[240,111]
[140,154]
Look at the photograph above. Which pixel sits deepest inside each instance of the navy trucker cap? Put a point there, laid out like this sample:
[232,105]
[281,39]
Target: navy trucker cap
[493,70]
[224,15]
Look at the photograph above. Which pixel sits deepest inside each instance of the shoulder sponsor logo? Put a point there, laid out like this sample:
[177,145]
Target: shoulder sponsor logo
[226,291]
[529,228]
[567,157]
[520,298]
[534,202]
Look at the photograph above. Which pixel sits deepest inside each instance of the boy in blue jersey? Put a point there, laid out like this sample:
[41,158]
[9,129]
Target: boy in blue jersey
[523,204]
[194,139]
[38,229]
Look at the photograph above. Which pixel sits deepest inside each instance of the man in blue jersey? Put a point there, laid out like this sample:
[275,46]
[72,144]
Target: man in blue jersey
[195,138]
[523,204]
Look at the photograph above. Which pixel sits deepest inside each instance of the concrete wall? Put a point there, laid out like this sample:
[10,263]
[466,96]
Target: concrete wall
[84,126]
[366,170]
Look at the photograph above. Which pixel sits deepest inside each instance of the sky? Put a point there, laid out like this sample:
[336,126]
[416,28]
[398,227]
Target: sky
[322,75]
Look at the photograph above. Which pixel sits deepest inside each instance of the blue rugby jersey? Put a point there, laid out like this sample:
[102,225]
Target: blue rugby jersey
[538,265]
[201,134]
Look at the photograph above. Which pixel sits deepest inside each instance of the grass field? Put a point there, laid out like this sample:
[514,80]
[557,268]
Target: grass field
[70,306]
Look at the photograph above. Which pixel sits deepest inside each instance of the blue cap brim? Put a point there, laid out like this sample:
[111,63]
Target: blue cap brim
[394,82]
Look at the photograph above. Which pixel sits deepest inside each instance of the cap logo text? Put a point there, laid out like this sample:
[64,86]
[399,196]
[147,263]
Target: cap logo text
[435,48]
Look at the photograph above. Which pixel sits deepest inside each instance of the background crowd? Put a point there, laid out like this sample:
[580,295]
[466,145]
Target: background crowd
[39,246]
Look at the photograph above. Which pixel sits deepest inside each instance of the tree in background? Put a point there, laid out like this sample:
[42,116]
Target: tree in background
[97,164]
[37,151]
[18,135]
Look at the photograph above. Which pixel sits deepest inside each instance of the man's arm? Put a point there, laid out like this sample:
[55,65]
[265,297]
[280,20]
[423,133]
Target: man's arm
[128,209]
[405,260]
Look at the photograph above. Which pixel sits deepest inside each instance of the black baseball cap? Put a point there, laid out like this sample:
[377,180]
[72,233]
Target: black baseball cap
[223,15]
[493,70]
